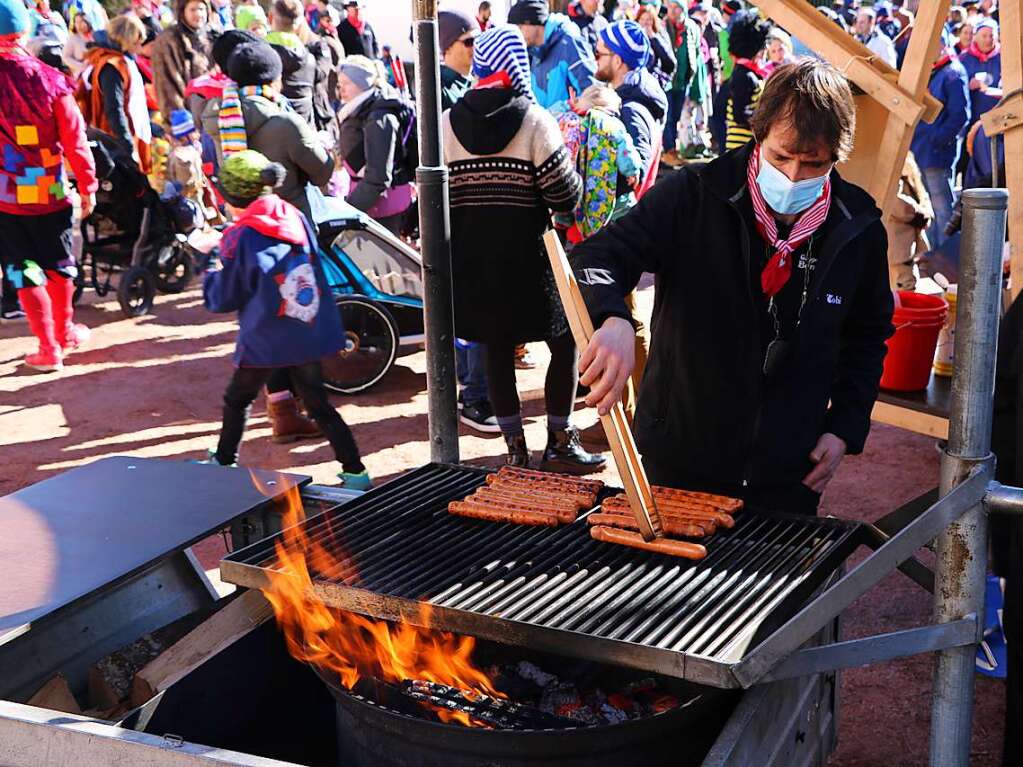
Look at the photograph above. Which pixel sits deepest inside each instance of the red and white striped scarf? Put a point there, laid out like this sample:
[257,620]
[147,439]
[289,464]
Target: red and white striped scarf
[779,266]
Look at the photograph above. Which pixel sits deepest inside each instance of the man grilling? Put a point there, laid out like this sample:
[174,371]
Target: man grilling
[771,309]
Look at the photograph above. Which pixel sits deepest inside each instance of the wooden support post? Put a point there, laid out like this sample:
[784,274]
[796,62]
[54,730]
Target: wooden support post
[895,101]
[913,79]
[1011,19]
[873,76]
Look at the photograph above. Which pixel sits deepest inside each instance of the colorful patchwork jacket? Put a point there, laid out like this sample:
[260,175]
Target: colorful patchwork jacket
[40,127]
[273,278]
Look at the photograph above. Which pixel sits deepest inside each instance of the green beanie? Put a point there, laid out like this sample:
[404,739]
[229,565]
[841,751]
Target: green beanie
[246,175]
[247,15]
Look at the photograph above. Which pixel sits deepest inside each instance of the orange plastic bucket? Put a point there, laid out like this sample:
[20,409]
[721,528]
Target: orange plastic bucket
[918,319]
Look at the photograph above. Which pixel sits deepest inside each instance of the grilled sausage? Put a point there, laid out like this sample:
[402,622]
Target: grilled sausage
[669,506]
[513,516]
[664,500]
[553,483]
[723,502]
[709,526]
[682,549]
[523,496]
[582,500]
[562,514]
[590,485]
[670,526]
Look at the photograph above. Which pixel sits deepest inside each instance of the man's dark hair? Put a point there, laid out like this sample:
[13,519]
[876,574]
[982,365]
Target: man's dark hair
[485,6]
[815,99]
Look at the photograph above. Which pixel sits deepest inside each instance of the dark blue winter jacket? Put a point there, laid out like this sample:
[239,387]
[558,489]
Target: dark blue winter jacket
[978,172]
[982,102]
[563,61]
[644,107]
[273,278]
[937,144]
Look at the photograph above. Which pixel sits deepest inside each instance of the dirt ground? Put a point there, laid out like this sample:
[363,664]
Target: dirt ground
[151,387]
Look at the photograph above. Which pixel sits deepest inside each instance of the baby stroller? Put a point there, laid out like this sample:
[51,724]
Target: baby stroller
[377,284]
[132,231]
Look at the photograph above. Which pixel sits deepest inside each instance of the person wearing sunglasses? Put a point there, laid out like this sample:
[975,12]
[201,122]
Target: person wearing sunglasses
[456,32]
[771,311]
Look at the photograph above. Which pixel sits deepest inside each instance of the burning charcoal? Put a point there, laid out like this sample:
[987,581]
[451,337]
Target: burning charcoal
[563,699]
[612,714]
[625,704]
[391,696]
[534,673]
[482,708]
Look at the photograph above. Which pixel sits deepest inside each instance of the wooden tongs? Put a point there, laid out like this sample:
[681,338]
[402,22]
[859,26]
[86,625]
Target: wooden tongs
[619,435]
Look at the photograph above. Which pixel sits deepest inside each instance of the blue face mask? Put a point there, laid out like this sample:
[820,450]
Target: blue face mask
[784,196]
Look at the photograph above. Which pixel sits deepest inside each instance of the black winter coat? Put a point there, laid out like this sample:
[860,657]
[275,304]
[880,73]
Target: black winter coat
[371,141]
[356,44]
[707,416]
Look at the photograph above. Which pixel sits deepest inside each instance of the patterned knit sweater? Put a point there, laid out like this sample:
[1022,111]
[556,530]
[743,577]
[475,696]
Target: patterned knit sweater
[509,169]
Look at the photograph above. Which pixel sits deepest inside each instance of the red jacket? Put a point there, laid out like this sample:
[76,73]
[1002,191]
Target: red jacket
[40,128]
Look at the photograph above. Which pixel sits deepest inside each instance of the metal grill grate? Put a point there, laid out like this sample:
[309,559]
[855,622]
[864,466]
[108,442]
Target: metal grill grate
[557,589]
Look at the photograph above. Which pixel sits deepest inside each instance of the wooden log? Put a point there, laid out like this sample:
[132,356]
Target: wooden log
[56,695]
[220,630]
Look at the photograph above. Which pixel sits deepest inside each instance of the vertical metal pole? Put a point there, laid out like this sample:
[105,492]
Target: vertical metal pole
[962,548]
[435,241]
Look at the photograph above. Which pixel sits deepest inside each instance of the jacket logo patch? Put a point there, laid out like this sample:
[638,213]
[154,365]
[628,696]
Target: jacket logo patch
[300,298]
[832,299]
[596,277]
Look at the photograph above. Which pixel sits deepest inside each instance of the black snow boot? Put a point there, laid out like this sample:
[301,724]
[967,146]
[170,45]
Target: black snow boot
[518,453]
[565,454]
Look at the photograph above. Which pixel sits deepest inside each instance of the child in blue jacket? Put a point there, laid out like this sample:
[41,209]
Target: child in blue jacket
[272,277]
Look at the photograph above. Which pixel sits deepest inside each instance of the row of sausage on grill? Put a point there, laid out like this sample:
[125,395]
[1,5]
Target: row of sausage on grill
[526,497]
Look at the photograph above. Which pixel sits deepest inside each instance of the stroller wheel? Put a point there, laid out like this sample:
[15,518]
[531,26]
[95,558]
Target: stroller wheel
[136,291]
[371,344]
[173,268]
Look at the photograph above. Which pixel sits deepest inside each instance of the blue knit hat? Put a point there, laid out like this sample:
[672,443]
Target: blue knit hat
[628,40]
[14,18]
[181,123]
[503,49]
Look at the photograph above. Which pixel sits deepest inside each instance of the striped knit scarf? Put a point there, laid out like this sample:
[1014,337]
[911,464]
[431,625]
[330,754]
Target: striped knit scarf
[779,266]
[231,121]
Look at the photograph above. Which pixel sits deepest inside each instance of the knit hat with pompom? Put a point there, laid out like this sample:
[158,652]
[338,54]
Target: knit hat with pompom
[246,175]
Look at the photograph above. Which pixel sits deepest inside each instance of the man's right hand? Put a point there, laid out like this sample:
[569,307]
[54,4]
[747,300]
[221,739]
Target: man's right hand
[607,362]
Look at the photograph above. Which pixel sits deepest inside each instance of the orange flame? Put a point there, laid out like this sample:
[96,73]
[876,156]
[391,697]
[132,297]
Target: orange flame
[351,645]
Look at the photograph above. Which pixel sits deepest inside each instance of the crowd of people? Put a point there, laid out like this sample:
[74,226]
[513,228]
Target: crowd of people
[571,115]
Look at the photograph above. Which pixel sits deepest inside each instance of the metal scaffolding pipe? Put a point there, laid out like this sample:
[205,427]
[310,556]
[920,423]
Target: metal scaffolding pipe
[962,548]
[435,241]
[1003,499]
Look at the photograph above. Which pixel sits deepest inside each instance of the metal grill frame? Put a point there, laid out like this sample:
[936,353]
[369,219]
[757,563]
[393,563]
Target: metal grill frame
[716,671]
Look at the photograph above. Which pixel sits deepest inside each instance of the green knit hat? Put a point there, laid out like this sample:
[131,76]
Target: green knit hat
[247,15]
[246,175]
